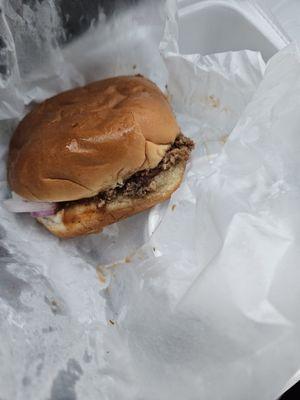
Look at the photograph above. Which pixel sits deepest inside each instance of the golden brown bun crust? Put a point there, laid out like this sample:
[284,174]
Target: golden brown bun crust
[83,219]
[85,140]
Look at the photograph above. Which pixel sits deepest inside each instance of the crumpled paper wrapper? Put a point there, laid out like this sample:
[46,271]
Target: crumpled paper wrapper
[197,298]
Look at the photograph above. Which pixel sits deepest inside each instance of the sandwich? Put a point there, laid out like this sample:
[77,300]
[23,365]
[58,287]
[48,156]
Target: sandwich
[91,156]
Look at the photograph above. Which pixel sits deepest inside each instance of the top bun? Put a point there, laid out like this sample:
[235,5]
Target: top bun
[86,140]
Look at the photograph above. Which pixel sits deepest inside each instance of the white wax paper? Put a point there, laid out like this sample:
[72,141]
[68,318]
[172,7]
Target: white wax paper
[196,299]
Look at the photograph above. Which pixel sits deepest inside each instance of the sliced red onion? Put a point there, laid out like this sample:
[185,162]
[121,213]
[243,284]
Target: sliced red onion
[19,205]
[47,213]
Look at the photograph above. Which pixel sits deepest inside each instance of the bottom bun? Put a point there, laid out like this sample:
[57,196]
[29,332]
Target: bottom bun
[81,219]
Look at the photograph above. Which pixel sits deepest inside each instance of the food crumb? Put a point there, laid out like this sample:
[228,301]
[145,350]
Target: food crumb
[128,259]
[111,322]
[100,275]
[54,306]
[223,138]
[173,207]
[214,101]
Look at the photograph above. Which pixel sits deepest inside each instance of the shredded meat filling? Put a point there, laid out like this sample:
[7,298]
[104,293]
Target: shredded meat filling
[142,182]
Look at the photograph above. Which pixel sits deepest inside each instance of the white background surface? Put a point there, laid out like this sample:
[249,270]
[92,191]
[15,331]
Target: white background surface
[288,14]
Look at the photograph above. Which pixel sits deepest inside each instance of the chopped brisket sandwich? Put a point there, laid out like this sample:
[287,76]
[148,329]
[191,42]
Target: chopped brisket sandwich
[91,156]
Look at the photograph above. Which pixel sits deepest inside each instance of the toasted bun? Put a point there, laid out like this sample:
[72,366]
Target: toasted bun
[86,140]
[82,219]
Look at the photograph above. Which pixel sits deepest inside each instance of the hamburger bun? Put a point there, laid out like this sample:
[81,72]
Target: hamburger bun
[86,140]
